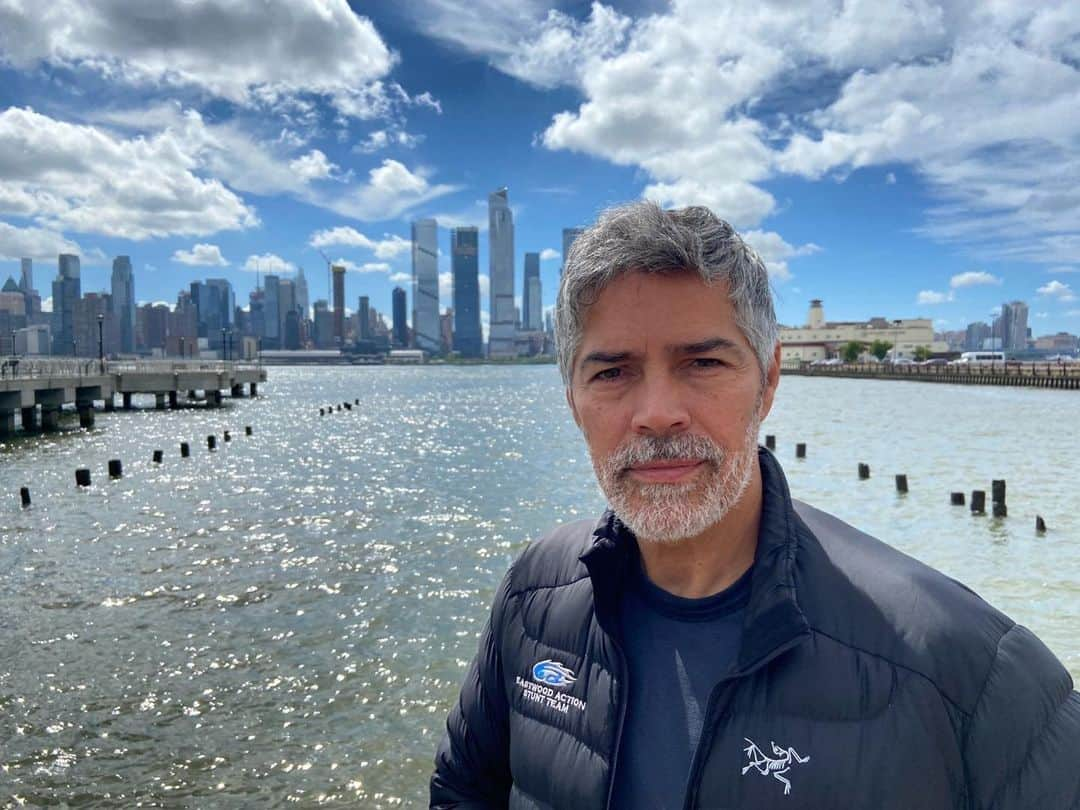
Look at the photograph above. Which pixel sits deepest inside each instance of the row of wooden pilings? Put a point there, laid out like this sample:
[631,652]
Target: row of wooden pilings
[999,509]
[116,466]
[331,408]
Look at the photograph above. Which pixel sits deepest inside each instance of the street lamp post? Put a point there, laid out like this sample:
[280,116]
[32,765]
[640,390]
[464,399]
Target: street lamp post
[181,347]
[13,354]
[101,341]
[224,354]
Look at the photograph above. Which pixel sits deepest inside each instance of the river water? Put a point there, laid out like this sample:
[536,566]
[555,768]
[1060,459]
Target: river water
[284,622]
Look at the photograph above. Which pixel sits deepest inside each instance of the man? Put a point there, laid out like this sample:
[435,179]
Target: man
[712,643]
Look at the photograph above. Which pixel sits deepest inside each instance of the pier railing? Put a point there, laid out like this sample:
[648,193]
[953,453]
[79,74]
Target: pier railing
[1013,373]
[25,368]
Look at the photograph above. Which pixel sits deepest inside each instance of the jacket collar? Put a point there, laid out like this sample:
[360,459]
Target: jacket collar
[773,620]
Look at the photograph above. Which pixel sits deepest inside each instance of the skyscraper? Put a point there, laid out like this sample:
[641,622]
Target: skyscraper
[569,236]
[339,305]
[401,328]
[287,306]
[123,303]
[363,317]
[271,324]
[67,289]
[465,266]
[300,283]
[501,275]
[26,280]
[425,272]
[1014,317]
[530,318]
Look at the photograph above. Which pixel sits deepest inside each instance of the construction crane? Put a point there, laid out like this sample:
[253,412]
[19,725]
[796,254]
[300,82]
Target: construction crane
[329,282]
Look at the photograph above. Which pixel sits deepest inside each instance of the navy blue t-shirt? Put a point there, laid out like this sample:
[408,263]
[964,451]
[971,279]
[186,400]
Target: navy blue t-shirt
[677,650]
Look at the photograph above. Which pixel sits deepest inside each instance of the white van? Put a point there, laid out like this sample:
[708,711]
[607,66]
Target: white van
[980,357]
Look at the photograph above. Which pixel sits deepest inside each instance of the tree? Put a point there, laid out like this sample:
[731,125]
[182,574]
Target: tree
[922,353]
[851,351]
[880,348]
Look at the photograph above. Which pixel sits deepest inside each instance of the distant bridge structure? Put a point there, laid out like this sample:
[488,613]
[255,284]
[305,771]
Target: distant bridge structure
[36,389]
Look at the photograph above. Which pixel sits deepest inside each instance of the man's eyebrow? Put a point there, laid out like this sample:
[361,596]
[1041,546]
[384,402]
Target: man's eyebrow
[703,346]
[604,357]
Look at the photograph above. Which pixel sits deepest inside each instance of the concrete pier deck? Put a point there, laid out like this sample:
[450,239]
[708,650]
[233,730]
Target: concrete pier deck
[35,389]
[1064,376]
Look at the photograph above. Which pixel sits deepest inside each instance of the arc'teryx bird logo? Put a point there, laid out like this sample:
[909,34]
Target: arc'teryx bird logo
[552,673]
[765,765]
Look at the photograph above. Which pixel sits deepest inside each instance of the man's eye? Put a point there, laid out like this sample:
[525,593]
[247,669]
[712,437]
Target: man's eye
[608,374]
[707,362]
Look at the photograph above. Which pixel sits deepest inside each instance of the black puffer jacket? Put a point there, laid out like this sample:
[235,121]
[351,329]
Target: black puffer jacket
[864,680]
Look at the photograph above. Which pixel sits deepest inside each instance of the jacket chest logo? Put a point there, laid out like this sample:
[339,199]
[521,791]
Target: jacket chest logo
[547,687]
[775,766]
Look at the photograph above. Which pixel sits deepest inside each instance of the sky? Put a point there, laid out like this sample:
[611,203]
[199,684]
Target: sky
[893,158]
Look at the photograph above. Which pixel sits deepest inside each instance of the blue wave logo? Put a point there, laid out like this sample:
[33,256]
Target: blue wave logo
[553,673]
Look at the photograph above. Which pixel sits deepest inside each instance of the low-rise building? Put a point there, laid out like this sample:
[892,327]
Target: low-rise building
[820,339]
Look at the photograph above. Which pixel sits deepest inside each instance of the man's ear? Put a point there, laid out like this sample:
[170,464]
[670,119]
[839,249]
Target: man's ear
[772,380]
[573,407]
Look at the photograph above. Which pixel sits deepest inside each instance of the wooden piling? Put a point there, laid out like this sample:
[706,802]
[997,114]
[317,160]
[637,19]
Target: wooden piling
[82,477]
[800,450]
[116,468]
[247,430]
[185,450]
[978,502]
[864,471]
[901,483]
[1000,510]
[227,436]
[24,497]
[956,498]
[997,488]
[770,442]
[1040,524]
[159,456]
[211,442]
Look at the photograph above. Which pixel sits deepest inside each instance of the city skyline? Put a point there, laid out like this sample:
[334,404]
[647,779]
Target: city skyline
[858,164]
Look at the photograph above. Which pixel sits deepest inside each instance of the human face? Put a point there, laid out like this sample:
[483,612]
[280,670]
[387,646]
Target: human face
[669,396]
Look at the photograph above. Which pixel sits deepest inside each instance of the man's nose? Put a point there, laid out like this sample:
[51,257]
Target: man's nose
[659,408]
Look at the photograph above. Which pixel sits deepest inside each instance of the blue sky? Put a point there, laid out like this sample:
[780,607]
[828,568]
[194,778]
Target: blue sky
[904,159]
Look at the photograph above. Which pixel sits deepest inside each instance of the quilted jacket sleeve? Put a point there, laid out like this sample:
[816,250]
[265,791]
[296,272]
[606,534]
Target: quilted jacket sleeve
[472,769]
[1023,742]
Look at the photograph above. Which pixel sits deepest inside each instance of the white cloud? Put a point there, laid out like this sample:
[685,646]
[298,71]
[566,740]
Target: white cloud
[253,54]
[389,247]
[313,166]
[933,297]
[202,255]
[268,263]
[890,179]
[400,278]
[549,254]
[365,267]
[40,244]
[712,101]
[1042,315]
[775,252]
[973,278]
[90,180]
[1065,268]
[1058,290]
[391,190]
[384,138]
[446,289]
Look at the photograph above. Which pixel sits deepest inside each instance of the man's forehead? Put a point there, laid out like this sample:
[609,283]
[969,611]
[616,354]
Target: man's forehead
[675,309]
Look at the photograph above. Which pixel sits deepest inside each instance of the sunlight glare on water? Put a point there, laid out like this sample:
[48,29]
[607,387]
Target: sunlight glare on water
[287,619]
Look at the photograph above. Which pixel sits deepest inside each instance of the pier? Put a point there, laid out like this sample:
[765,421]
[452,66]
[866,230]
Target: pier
[1029,375]
[37,389]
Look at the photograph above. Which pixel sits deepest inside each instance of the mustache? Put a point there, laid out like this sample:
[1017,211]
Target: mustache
[647,449]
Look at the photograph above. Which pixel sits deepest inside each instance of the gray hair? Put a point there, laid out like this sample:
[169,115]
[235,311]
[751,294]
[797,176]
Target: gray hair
[643,237]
